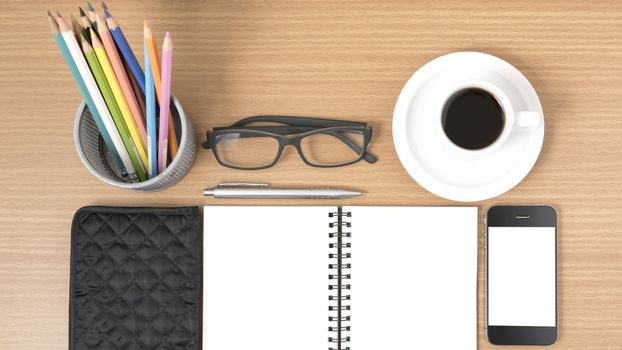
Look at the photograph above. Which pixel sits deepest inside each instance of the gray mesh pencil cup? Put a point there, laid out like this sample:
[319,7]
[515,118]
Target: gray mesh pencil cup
[91,150]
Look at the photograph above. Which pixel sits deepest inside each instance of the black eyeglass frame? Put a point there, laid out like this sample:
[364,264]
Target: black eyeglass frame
[303,127]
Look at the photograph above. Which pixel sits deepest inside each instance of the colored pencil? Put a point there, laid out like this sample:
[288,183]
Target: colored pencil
[113,82]
[91,13]
[129,57]
[77,27]
[137,91]
[155,69]
[86,24]
[165,98]
[151,118]
[97,98]
[126,51]
[98,73]
[86,95]
[154,61]
[128,93]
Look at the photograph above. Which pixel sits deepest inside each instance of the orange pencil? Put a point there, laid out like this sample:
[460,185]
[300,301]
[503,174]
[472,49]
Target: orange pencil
[119,71]
[152,49]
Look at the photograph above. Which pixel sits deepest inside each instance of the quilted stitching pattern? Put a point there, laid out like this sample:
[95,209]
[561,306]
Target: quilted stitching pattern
[136,277]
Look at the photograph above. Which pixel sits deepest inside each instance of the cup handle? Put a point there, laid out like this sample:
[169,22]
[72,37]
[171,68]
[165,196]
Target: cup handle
[527,120]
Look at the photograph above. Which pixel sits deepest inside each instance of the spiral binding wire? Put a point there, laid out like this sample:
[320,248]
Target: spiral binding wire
[338,285]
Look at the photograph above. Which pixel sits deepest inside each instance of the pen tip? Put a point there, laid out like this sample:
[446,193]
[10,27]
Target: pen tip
[350,194]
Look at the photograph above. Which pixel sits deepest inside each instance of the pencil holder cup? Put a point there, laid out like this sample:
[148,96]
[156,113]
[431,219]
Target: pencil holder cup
[97,159]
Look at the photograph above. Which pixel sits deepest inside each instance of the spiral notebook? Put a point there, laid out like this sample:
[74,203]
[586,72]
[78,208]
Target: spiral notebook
[357,278]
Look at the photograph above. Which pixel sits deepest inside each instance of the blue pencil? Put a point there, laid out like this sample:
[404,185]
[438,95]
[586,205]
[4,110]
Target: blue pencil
[126,50]
[86,95]
[151,118]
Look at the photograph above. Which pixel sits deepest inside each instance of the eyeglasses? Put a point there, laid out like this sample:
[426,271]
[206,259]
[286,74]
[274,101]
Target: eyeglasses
[323,143]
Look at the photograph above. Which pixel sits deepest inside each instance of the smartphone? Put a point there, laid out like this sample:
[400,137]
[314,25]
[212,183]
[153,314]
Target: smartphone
[521,275]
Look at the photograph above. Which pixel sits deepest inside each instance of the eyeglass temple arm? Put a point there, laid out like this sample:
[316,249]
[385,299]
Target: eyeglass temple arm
[298,121]
[276,129]
[369,158]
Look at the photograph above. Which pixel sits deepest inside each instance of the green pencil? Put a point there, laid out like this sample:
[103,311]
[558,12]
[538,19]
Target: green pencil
[113,107]
[77,28]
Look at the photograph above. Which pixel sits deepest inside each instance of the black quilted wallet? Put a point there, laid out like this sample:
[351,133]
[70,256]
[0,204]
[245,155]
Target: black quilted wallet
[135,278]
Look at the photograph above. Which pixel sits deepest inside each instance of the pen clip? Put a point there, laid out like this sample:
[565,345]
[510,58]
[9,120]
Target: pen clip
[241,184]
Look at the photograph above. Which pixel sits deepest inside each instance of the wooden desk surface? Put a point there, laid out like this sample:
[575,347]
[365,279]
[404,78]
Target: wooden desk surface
[320,58]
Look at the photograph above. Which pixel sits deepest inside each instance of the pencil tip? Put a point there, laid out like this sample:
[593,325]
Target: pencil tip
[104,6]
[89,6]
[49,13]
[146,29]
[82,37]
[58,13]
[168,42]
[82,14]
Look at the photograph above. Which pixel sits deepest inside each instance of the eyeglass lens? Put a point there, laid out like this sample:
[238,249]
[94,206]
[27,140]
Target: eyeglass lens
[332,148]
[246,150]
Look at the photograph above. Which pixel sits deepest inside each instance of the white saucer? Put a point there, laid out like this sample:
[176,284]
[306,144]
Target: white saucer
[444,169]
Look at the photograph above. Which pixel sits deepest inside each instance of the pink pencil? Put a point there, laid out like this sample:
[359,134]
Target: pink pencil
[119,70]
[165,100]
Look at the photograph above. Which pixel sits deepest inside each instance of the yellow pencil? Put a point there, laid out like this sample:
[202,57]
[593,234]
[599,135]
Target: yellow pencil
[102,57]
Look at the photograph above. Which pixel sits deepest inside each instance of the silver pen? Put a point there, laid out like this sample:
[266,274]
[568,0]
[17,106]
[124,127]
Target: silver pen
[261,190]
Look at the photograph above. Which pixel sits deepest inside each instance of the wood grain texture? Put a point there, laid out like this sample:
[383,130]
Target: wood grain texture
[318,58]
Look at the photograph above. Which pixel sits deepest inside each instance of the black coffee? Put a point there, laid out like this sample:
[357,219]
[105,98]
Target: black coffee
[473,119]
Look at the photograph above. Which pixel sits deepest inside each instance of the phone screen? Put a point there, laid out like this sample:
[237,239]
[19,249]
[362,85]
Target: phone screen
[521,276]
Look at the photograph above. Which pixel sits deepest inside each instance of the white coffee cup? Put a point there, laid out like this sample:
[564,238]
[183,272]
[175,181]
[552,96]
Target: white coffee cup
[514,120]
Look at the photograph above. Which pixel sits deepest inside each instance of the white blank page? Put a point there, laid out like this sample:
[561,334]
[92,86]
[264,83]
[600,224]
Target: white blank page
[414,278]
[265,278]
